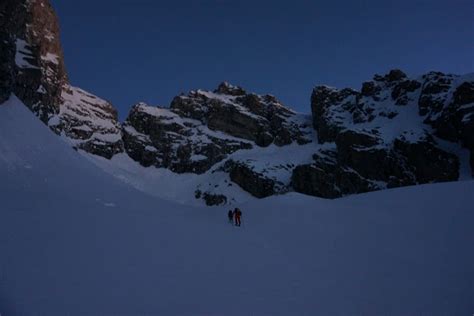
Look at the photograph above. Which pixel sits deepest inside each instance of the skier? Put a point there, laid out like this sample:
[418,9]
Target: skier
[230,215]
[237,216]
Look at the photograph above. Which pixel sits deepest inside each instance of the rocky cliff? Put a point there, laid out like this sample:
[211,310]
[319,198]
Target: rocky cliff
[391,133]
[32,68]
[88,122]
[394,131]
[203,128]
[32,64]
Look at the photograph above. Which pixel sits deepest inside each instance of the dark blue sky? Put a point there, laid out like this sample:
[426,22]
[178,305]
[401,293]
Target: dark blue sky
[151,50]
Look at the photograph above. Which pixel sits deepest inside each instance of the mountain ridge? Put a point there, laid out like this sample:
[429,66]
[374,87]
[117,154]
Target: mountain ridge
[394,131]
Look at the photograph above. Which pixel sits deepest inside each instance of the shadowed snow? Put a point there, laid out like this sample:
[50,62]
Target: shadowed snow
[75,240]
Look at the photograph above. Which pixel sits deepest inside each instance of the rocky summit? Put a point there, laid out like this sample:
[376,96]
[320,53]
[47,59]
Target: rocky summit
[203,127]
[227,142]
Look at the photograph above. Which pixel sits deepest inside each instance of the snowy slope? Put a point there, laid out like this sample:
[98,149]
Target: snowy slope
[273,161]
[75,241]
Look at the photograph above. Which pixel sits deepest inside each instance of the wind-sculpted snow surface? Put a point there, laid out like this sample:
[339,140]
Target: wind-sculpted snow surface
[75,241]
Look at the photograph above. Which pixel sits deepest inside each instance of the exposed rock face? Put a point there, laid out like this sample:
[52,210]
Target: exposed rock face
[229,109]
[204,127]
[334,109]
[33,65]
[250,180]
[391,133]
[89,122]
[360,164]
[451,113]
[32,68]
[325,177]
[211,199]
[472,162]
[452,110]
[330,107]
[7,57]
[159,137]
[382,134]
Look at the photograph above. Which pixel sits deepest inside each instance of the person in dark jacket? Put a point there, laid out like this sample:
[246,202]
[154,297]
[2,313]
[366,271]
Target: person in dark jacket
[237,216]
[230,215]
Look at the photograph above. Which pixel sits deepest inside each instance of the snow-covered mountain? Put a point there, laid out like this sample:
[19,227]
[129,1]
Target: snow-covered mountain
[229,145]
[203,128]
[395,131]
[32,68]
[118,225]
[77,241]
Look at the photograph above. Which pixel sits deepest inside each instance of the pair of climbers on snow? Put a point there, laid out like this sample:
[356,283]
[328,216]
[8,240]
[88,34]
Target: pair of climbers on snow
[235,216]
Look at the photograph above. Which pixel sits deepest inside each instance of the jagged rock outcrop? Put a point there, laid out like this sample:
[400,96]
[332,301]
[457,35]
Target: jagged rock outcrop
[159,137]
[229,109]
[383,136]
[361,166]
[210,199]
[203,128]
[326,178]
[447,102]
[252,181]
[32,68]
[393,132]
[88,122]
[32,63]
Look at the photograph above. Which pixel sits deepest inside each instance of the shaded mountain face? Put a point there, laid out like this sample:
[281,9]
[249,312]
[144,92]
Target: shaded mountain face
[88,122]
[388,134]
[32,63]
[32,68]
[203,127]
[395,131]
